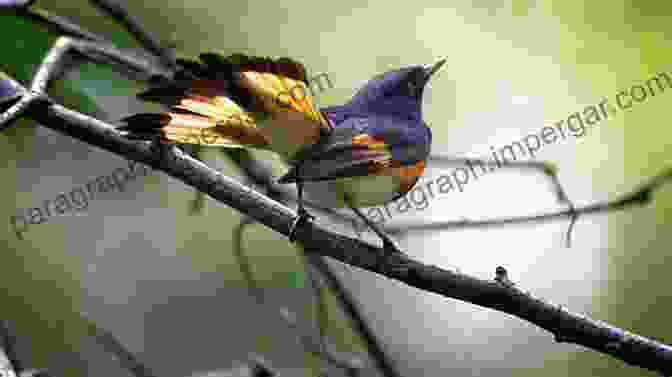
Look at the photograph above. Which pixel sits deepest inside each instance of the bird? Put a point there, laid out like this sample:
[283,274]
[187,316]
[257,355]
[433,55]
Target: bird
[369,151]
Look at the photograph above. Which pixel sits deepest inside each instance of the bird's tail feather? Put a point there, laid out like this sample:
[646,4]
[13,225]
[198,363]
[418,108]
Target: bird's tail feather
[209,107]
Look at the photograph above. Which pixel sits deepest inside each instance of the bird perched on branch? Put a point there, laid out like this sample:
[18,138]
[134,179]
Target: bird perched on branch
[371,150]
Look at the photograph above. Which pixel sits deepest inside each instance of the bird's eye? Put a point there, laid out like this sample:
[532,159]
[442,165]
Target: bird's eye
[412,88]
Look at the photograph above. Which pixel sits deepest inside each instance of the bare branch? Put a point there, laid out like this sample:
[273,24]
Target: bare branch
[134,27]
[260,174]
[126,358]
[308,340]
[63,25]
[256,367]
[639,197]
[9,360]
[351,307]
[500,294]
[546,168]
[549,170]
[565,325]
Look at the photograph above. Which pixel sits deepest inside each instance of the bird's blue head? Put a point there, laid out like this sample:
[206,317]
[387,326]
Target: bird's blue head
[397,92]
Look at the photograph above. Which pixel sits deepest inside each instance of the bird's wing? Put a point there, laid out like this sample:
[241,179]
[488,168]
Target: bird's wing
[221,101]
[351,152]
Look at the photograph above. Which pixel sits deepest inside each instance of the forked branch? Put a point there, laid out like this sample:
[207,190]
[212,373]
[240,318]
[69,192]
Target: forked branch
[499,294]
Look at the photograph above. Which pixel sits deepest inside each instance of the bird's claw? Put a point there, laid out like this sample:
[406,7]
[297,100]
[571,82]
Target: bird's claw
[384,258]
[302,217]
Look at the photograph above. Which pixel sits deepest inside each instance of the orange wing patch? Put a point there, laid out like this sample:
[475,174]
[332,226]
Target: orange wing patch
[410,175]
[280,93]
[369,141]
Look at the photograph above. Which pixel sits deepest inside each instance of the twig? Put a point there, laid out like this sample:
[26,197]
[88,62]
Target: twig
[125,357]
[134,27]
[8,348]
[63,25]
[351,308]
[55,61]
[549,170]
[256,367]
[308,341]
[260,174]
[638,197]
[567,326]
[53,64]
[10,362]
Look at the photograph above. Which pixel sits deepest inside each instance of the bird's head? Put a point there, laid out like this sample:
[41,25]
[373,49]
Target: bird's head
[396,92]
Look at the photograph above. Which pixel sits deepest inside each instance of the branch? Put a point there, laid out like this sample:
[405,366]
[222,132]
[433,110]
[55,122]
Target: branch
[63,25]
[52,65]
[549,170]
[638,197]
[351,308]
[505,297]
[9,360]
[134,27]
[256,367]
[260,175]
[112,345]
[546,168]
[308,341]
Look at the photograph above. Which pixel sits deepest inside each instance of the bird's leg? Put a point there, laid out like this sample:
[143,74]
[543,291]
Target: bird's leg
[303,215]
[389,246]
[301,209]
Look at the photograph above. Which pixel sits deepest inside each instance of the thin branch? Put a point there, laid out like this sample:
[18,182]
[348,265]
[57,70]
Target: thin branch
[260,174]
[307,339]
[322,315]
[97,51]
[54,63]
[10,362]
[351,364]
[546,168]
[125,357]
[61,24]
[244,263]
[493,294]
[18,108]
[638,197]
[567,326]
[352,309]
[255,367]
[549,170]
[26,8]
[8,348]
[135,28]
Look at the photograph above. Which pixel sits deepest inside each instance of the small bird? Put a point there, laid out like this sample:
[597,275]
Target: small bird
[367,152]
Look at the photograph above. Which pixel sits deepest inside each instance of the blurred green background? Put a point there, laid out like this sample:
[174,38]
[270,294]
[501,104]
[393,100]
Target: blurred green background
[562,54]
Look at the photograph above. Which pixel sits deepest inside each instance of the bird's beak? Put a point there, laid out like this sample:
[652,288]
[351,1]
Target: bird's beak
[430,70]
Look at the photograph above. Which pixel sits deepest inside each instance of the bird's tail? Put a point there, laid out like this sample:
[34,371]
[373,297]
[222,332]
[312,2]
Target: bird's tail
[209,104]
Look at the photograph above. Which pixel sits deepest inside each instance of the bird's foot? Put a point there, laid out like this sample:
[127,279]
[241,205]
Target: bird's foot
[302,217]
[386,263]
